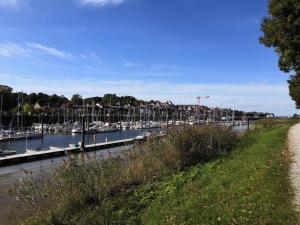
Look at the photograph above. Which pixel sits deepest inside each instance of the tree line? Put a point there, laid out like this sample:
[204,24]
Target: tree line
[10,101]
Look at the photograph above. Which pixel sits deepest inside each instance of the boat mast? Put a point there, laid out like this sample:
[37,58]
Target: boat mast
[1,108]
[93,111]
[18,111]
[21,110]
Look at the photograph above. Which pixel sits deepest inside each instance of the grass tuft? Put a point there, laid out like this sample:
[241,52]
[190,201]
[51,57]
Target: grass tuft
[194,175]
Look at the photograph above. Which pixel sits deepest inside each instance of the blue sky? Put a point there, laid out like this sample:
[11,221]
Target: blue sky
[152,49]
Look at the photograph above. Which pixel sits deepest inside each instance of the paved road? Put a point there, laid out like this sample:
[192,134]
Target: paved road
[294,147]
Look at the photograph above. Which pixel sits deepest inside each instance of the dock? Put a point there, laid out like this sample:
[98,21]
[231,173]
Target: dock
[20,137]
[47,154]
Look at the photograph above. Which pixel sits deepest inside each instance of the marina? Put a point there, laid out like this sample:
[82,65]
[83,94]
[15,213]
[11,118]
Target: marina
[63,140]
[94,124]
[56,152]
[55,145]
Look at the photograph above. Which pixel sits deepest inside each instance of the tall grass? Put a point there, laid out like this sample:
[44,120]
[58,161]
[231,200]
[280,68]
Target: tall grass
[104,185]
[248,186]
[273,122]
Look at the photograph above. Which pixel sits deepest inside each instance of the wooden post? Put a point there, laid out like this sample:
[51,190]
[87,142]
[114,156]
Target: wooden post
[95,141]
[42,121]
[82,133]
[167,126]
[120,121]
[248,124]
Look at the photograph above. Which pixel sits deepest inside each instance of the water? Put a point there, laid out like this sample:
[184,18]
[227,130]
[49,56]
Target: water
[12,174]
[63,140]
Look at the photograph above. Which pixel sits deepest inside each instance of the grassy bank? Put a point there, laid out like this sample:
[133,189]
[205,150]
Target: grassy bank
[190,177]
[249,186]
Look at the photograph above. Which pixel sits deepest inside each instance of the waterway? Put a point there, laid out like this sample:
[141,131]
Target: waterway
[11,174]
[63,140]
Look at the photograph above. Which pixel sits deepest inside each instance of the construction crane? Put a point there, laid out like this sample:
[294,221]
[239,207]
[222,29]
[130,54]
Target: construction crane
[193,97]
[201,97]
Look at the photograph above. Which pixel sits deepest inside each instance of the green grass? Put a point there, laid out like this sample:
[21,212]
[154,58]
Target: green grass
[249,186]
[160,184]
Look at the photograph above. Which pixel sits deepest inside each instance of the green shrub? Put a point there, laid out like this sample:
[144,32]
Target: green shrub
[197,144]
[105,186]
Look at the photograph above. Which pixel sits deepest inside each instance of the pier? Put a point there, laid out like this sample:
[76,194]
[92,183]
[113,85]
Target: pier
[47,154]
[20,137]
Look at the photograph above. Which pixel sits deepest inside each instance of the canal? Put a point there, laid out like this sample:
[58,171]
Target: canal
[63,140]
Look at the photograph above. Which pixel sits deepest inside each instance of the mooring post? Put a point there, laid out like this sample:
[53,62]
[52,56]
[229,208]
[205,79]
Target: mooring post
[42,121]
[248,124]
[82,133]
[167,126]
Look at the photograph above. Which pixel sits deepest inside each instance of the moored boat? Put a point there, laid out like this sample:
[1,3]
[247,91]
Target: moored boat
[4,153]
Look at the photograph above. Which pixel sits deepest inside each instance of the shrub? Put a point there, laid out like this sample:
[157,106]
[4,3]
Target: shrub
[103,184]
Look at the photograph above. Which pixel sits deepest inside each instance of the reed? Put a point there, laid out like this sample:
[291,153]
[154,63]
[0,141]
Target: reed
[81,183]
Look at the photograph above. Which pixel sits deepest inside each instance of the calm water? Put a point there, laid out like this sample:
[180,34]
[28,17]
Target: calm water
[63,140]
[12,174]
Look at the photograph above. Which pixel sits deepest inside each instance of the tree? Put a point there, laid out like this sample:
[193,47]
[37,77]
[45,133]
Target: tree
[77,99]
[32,98]
[282,31]
[27,108]
[110,99]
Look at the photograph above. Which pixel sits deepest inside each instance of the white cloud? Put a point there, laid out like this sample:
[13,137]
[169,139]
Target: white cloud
[12,50]
[247,97]
[100,3]
[10,3]
[90,56]
[50,51]
[129,64]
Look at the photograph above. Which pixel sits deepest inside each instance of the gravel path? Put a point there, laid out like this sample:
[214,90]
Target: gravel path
[294,146]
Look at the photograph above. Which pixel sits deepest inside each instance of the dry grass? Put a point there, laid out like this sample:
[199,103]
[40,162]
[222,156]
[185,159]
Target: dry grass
[79,184]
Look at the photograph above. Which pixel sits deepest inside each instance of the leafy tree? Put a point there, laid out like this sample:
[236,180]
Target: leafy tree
[110,99]
[43,99]
[294,88]
[93,99]
[10,101]
[27,108]
[282,31]
[77,99]
[32,98]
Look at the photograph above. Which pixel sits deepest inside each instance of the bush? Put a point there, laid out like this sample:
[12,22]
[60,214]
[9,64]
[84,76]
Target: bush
[105,185]
[197,144]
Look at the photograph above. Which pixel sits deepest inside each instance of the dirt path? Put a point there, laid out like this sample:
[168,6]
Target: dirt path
[294,146]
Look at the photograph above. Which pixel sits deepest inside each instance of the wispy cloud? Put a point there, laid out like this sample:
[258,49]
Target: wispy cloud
[129,64]
[14,4]
[50,51]
[90,56]
[12,50]
[99,3]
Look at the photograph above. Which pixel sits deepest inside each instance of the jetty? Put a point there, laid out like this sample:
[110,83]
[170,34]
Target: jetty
[15,137]
[52,153]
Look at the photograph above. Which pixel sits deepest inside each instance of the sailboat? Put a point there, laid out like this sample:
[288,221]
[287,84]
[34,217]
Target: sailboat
[4,153]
